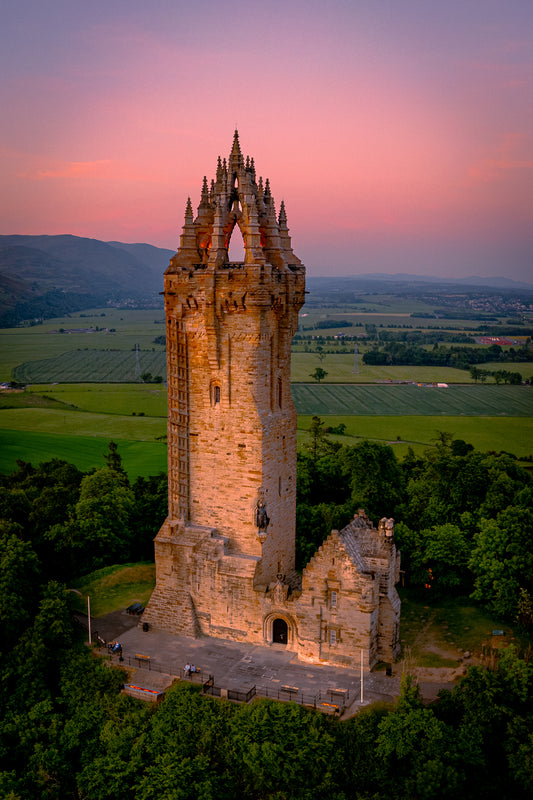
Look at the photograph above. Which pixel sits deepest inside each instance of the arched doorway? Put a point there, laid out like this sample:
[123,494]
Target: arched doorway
[279,631]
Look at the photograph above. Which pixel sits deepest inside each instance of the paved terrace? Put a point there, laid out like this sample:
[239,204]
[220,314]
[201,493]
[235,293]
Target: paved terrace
[238,666]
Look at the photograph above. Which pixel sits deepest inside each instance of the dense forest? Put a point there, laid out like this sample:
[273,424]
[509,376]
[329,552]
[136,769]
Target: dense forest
[465,527]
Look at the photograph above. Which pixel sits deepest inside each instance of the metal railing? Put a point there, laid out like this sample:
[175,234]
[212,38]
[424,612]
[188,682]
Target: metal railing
[332,701]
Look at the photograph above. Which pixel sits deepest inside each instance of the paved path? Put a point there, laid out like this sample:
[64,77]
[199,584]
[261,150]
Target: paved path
[242,666]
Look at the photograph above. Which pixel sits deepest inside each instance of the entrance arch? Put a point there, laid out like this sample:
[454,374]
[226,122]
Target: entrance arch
[280,628]
[280,631]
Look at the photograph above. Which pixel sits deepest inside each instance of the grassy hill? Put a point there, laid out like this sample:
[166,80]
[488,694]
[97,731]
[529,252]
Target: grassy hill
[46,276]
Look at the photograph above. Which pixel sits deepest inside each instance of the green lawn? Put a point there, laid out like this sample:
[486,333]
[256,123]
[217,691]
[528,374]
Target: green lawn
[437,635]
[115,588]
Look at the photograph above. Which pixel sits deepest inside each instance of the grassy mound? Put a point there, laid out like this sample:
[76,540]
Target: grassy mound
[115,588]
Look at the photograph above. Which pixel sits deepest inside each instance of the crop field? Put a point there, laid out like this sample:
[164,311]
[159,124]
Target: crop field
[509,434]
[339,367]
[413,400]
[121,329]
[99,366]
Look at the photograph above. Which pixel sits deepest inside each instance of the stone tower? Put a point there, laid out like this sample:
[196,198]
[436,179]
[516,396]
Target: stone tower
[225,554]
[232,422]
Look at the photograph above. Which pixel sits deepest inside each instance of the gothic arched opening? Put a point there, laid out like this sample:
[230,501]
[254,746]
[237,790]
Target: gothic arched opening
[279,631]
[236,245]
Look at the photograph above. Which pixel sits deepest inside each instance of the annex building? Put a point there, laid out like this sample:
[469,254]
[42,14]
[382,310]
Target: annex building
[225,554]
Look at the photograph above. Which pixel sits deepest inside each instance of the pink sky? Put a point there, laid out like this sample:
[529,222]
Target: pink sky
[399,134]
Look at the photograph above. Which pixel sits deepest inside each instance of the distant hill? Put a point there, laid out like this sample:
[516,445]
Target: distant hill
[47,276]
[402,279]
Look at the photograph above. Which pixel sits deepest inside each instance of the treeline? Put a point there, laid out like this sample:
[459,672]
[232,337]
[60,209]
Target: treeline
[464,519]
[400,353]
[75,522]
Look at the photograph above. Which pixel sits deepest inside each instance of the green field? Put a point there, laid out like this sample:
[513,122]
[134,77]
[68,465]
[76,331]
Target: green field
[86,452]
[98,366]
[82,423]
[413,400]
[130,327]
[340,369]
[510,434]
[127,399]
[85,390]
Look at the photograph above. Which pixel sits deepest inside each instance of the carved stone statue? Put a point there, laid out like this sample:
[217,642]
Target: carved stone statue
[261,518]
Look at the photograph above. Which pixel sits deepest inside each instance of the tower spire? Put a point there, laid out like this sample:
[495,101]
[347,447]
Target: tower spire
[236,148]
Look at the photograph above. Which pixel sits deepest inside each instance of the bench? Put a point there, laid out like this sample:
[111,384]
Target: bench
[135,608]
[141,657]
[289,689]
[342,693]
[329,708]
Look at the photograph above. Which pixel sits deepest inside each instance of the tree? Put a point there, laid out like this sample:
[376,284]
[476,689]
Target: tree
[19,575]
[319,374]
[150,510]
[419,749]
[502,560]
[103,516]
[113,458]
[374,476]
[440,561]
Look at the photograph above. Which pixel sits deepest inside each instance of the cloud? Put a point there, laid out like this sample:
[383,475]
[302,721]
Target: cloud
[101,170]
[503,161]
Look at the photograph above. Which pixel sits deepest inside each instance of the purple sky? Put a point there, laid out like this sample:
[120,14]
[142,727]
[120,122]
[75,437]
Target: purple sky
[399,134]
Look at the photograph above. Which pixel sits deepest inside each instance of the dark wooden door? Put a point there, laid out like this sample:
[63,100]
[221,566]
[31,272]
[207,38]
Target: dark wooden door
[279,631]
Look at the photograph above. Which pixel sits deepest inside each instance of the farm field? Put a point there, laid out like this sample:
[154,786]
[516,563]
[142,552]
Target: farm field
[131,327]
[98,366]
[83,423]
[510,434]
[525,368]
[114,366]
[384,318]
[340,366]
[413,400]
[108,398]
[86,452]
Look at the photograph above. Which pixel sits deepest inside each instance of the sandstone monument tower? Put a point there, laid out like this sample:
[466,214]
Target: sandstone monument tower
[225,554]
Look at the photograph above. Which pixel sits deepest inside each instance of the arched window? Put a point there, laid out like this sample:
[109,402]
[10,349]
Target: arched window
[280,393]
[215,394]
